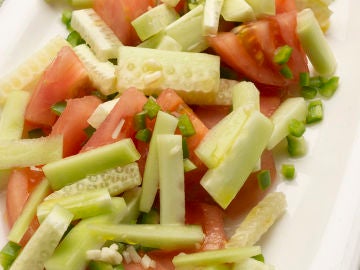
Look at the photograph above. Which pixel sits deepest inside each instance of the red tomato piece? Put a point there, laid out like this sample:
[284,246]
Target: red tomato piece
[211,218]
[118,14]
[170,101]
[283,6]
[73,121]
[20,185]
[119,123]
[211,115]
[250,194]
[269,104]
[250,52]
[66,77]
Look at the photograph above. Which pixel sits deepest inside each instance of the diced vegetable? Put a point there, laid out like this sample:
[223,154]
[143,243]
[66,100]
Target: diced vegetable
[101,112]
[8,254]
[212,9]
[237,11]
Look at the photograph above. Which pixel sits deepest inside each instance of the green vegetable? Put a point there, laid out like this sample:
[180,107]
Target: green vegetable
[143,135]
[68,170]
[328,88]
[166,237]
[296,146]
[296,127]
[282,54]
[185,126]
[152,217]
[66,18]
[237,11]
[315,111]
[8,254]
[264,179]
[151,108]
[288,171]
[140,120]
[212,10]
[58,107]
[286,72]
[75,39]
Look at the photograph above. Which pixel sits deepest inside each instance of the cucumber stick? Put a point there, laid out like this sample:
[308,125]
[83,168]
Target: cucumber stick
[245,94]
[30,152]
[292,108]
[166,237]
[315,44]
[68,170]
[71,252]
[116,181]
[195,76]
[165,124]
[262,8]
[102,74]
[212,9]
[171,172]
[132,200]
[171,3]
[213,257]
[12,121]
[220,138]
[154,20]
[237,11]
[86,204]
[96,33]
[44,241]
[224,181]
[28,213]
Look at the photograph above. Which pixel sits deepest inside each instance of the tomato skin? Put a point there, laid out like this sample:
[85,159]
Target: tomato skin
[73,121]
[66,77]
[118,15]
[250,52]
[21,183]
[130,103]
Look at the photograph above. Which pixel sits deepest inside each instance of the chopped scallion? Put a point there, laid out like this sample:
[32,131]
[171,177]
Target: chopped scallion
[58,107]
[309,92]
[328,88]
[264,179]
[66,19]
[189,165]
[151,108]
[185,148]
[304,79]
[288,171]
[296,127]
[151,217]
[75,39]
[315,111]
[89,131]
[282,54]
[8,254]
[296,146]
[99,265]
[140,120]
[259,258]
[286,72]
[143,135]
[185,125]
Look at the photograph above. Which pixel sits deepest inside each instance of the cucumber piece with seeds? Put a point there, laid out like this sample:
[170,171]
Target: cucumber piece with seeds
[71,169]
[44,241]
[195,76]
[96,33]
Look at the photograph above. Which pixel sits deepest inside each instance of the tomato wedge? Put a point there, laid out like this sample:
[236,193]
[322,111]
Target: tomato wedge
[73,122]
[251,50]
[65,78]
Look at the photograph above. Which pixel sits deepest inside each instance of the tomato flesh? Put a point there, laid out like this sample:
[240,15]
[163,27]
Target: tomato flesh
[65,78]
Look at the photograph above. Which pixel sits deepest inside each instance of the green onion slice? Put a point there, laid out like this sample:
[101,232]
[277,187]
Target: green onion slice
[282,54]
[315,111]
[288,171]
[264,179]
[185,126]
[296,127]
[143,135]
[151,108]
[58,107]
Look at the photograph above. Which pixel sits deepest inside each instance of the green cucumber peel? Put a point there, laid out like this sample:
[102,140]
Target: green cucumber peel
[292,108]
[213,257]
[30,152]
[165,124]
[225,180]
[116,181]
[315,44]
[44,241]
[71,169]
[171,175]
[71,252]
[86,204]
[195,76]
[12,121]
[28,213]
[167,237]
[154,20]
[237,11]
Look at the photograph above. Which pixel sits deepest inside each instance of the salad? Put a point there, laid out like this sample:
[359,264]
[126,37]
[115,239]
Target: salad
[129,144]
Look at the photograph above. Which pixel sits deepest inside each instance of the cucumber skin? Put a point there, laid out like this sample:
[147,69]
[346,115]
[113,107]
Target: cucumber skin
[73,168]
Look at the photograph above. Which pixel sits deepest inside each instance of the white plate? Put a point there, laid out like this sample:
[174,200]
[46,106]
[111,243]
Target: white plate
[321,229]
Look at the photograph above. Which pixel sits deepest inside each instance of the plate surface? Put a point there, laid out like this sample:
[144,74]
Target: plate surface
[321,228]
